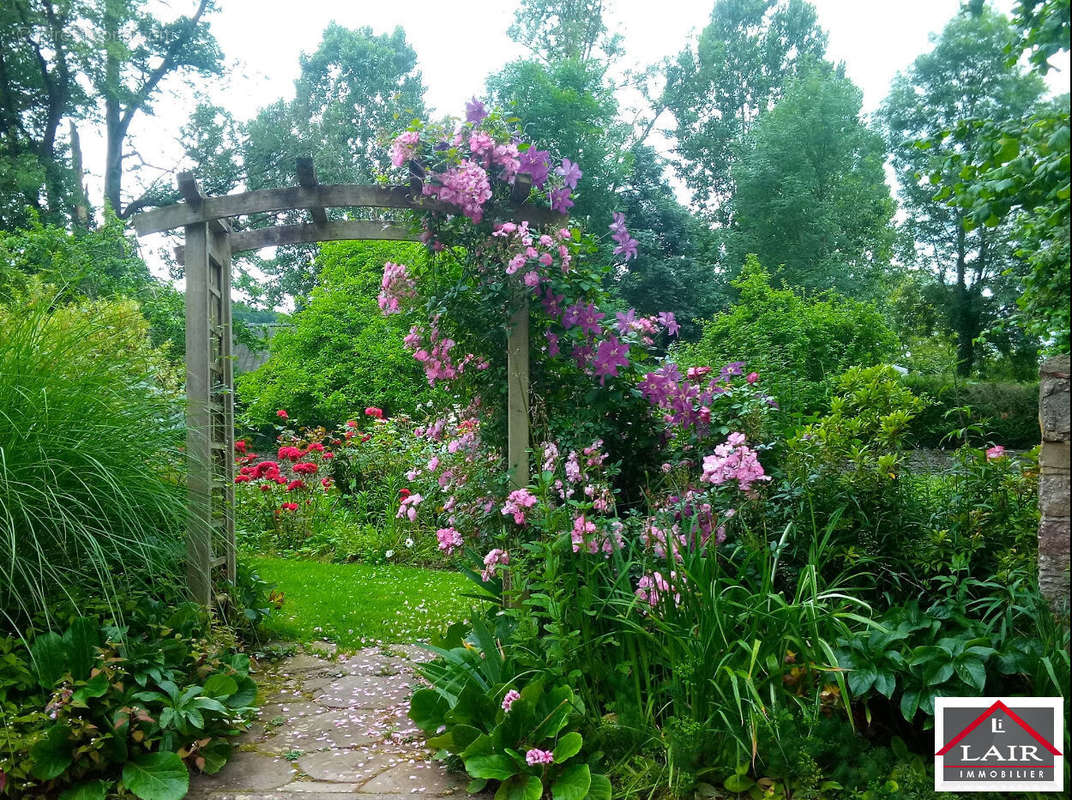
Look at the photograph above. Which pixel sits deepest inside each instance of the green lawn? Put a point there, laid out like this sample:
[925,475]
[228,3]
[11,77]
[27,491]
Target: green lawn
[356,605]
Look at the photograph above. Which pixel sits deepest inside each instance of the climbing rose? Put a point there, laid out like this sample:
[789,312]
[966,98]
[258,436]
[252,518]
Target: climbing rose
[282,414]
[752,377]
[536,756]
[509,698]
[372,411]
[396,286]
[404,147]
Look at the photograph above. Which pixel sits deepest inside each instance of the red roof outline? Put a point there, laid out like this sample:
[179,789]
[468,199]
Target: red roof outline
[999,706]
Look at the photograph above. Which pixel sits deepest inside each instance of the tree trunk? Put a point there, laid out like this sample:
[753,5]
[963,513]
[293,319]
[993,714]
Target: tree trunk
[962,309]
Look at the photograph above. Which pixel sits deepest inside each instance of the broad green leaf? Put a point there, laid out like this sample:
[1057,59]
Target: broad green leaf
[573,783]
[220,685]
[497,767]
[568,746]
[427,709]
[93,790]
[215,754]
[972,672]
[157,776]
[81,640]
[738,783]
[520,787]
[97,686]
[909,704]
[49,654]
[600,788]
[51,756]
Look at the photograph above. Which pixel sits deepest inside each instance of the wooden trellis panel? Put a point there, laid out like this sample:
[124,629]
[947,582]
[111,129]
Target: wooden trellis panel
[210,535]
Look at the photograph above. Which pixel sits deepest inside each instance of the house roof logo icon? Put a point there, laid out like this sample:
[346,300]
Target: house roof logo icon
[999,706]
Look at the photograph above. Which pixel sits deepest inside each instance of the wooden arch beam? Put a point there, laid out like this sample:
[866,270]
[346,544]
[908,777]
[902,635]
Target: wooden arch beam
[341,195]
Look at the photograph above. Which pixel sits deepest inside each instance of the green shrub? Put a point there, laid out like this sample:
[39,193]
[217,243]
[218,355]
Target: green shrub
[1007,412]
[90,490]
[798,344]
[120,704]
[342,354]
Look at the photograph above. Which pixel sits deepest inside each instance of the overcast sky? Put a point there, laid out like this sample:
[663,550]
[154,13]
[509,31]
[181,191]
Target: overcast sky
[459,44]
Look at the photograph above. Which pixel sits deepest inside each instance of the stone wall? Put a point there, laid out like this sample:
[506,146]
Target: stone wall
[1053,480]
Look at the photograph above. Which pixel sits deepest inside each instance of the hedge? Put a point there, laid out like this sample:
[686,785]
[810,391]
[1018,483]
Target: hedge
[1007,411]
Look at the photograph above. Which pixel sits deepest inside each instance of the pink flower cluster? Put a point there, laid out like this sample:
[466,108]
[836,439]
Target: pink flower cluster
[435,356]
[733,460]
[533,254]
[995,452]
[449,540]
[586,536]
[492,560]
[408,507]
[536,756]
[404,147]
[653,588]
[516,504]
[509,699]
[396,286]
[465,186]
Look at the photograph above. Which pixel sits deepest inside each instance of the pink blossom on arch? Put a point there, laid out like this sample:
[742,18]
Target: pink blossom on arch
[404,147]
[396,286]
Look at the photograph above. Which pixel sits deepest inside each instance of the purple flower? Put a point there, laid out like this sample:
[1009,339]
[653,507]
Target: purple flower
[560,200]
[627,249]
[570,173]
[534,162]
[627,245]
[626,320]
[475,111]
[611,354]
[582,315]
[666,319]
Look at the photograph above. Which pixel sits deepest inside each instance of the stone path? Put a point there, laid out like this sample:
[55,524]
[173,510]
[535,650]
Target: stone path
[334,727]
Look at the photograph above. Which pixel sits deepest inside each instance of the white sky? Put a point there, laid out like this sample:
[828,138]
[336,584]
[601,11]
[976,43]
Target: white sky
[459,44]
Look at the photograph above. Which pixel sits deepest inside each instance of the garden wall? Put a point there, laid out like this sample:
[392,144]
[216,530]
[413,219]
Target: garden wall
[1054,479]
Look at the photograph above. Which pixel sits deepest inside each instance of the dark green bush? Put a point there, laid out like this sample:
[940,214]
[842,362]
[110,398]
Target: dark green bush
[1006,411]
[798,344]
[342,354]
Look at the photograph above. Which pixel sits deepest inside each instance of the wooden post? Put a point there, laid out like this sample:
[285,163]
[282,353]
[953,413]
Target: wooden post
[198,415]
[517,385]
[220,253]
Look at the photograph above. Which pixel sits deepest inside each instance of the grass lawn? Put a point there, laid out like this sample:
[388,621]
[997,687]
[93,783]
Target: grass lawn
[355,605]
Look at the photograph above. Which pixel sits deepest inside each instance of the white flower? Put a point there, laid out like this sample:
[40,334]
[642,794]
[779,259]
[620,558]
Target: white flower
[389,554]
[409,543]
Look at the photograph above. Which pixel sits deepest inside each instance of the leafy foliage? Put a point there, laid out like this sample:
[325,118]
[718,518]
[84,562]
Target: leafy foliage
[89,463]
[965,77]
[799,344]
[739,67]
[811,194]
[342,354]
[133,705]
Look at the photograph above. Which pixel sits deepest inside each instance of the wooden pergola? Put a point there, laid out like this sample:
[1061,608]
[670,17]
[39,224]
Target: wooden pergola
[210,241]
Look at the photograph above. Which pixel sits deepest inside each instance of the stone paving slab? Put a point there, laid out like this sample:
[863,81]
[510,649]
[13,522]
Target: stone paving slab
[335,728]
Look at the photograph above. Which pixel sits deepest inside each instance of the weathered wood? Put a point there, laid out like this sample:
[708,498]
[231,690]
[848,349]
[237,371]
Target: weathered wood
[346,230]
[221,252]
[343,195]
[307,180]
[198,416]
[517,387]
[189,189]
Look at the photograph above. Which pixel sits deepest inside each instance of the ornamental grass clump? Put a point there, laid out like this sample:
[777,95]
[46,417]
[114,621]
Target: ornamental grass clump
[91,498]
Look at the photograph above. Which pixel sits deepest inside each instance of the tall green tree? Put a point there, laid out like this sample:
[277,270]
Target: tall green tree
[811,191]
[135,51]
[966,76]
[40,52]
[716,90]
[353,91]
[1019,176]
